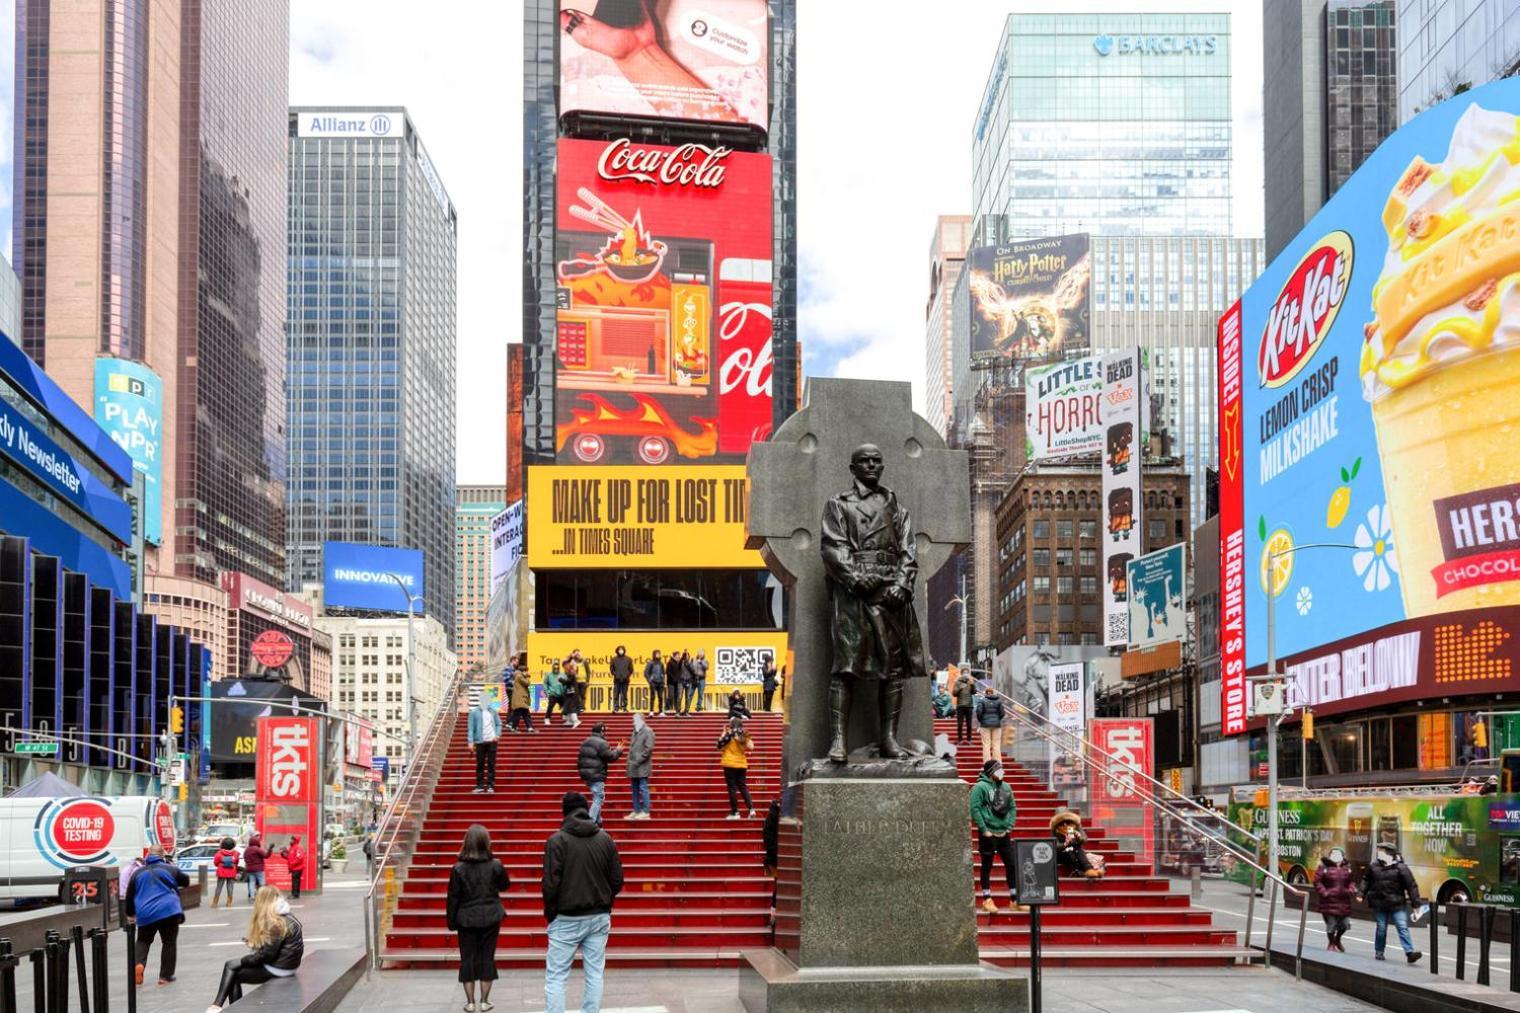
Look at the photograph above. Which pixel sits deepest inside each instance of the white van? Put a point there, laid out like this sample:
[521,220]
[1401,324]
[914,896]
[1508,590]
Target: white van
[42,837]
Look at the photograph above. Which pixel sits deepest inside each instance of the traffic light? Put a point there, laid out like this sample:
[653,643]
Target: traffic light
[1308,726]
[176,719]
[184,792]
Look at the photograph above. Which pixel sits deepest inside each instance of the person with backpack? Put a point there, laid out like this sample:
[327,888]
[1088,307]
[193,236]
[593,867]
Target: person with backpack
[621,668]
[474,912]
[254,856]
[654,675]
[591,763]
[1391,891]
[1336,886]
[226,863]
[275,946]
[993,811]
[734,748]
[153,901]
[964,692]
[989,720]
[295,859]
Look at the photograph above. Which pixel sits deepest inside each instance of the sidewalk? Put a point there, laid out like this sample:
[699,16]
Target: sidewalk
[1237,990]
[209,938]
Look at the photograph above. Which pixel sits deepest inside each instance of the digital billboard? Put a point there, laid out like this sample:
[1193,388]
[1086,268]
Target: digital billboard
[663,287]
[1029,300]
[1368,379]
[666,59]
[129,405]
[656,518]
[358,576]
[234,724]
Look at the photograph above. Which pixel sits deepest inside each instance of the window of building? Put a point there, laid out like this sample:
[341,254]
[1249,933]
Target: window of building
[1041,584]
[1063,585]
[1063,530]
[1088,529]
[1041,557]
[1088,557]
[1041,529]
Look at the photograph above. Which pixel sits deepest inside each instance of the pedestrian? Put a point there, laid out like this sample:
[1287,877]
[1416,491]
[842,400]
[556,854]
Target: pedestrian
[369,853]
[295,860]
[654,675]
[582,878]
[964,692]
[254,856]
[124,880]
[275,949]
[941,703]
[552,698]
[737,708]
[770,837]
[640,766]
[768,683]
[570,692]
[677,676]
[474,912]
[989,720]
[621,667]
[1071,851]
[734,747]
[153,901]
[484,729]
[595,754]
[1391,891]
[993,811]
[1336,886]
[520,715]
[226,863]
[698,667]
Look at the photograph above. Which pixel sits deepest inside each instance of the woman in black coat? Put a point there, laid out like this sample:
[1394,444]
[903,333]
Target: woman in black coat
[474,911]
[737,708]
[571,688]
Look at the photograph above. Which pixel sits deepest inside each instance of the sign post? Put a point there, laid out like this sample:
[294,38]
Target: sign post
[1037,886]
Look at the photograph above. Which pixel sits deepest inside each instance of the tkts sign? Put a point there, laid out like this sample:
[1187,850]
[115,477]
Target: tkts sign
[687,165]
[287,760]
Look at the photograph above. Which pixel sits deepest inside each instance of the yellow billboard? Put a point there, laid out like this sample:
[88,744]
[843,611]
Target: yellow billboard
[676,516]
[734,658]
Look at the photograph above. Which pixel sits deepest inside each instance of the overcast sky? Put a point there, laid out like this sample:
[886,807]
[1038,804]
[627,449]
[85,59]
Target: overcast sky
[885,111]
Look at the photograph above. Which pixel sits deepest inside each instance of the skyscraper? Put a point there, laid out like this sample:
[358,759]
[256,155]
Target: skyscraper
[370,426]
[150,218]
[947,253]
[1449,47]
[475,506]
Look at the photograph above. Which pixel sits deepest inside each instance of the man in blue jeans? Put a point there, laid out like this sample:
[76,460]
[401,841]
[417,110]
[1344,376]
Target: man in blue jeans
[1390,890]
[591,762]
[582,877]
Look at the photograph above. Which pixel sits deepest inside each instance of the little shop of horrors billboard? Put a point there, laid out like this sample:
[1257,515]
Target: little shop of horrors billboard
[1370,401]
[663,288]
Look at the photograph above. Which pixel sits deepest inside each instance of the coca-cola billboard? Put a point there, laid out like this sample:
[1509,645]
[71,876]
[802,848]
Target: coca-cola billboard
[663,283]
[701,60]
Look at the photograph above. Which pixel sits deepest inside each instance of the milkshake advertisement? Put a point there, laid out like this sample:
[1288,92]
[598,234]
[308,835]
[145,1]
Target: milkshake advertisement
[663,282]
[1029,300]
[1370,402]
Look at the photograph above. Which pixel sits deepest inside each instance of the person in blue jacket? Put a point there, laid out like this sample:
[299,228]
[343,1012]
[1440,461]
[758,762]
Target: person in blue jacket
[153,902]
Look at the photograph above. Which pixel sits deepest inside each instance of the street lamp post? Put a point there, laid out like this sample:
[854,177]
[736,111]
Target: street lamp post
[1275,724]
[411,668]
[960,600]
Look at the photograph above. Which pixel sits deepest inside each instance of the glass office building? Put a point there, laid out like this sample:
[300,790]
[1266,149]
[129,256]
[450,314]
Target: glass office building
[1114,124]
[477,506]
[1447,46]
[371,345]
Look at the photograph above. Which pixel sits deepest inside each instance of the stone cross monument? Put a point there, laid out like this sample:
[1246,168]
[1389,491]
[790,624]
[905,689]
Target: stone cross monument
[793,478]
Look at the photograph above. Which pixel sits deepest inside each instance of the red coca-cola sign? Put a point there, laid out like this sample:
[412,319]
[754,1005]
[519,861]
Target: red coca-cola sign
[1305,309]
[686,165]
[272,648]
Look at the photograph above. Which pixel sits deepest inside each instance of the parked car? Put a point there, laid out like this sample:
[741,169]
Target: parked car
[198,856]
[213,833]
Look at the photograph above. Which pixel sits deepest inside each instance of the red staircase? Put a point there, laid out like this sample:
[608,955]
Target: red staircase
[697,893]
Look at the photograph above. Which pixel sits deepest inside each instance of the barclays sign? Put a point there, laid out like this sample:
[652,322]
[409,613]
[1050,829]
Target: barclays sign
[1156,45]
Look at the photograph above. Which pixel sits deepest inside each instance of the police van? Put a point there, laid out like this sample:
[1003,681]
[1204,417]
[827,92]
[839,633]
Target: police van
[41,838]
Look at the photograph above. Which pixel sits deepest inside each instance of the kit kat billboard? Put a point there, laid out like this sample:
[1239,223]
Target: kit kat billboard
[663,288]
[1369,482]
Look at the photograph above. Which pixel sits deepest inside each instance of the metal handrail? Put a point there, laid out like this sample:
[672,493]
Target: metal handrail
[400,819]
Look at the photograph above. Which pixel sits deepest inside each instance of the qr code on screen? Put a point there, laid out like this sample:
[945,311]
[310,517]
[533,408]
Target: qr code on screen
[742,664]
[1118,627]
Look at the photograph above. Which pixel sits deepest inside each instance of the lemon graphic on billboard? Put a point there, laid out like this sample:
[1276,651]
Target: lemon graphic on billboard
[1340,500]
[1276,558]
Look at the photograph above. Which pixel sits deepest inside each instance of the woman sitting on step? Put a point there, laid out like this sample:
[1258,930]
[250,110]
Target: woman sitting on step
[1066,828]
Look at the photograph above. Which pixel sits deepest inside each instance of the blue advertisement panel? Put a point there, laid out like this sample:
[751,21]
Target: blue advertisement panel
[129,405]
[1158,596]
[30,447]
[1370,399]
[24,517]
[358,576]
[48,396]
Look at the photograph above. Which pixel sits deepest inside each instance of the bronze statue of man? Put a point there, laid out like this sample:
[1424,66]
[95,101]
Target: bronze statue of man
[872,565]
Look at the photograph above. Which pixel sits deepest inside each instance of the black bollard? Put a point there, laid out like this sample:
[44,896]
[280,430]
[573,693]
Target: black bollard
[1435,936]
[1485,938]
[51,946]
[99,943]
[63,974]
[130,935]
[77,933]
[1514,949]
[8,964]
[1461,942]
[39,981]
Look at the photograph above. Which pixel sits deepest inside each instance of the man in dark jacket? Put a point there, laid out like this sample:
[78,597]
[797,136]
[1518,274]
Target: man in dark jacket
[698,668]
[640,766]
[1390,890]
[592,762]
[989,721]
[153,901]
[621,668]
[964,692]
[1336,887]
[582,877]
[654,674]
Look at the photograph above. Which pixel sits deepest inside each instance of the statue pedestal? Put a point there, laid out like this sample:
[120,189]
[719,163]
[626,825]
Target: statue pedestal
[873,906]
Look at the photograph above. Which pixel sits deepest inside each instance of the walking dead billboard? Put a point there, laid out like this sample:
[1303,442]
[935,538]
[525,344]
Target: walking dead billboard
[1029,300]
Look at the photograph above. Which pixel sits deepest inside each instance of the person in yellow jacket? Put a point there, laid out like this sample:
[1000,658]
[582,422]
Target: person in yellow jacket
[733,749]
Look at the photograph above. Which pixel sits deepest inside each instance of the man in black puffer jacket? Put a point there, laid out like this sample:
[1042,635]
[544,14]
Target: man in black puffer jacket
[1390,890]
[582,877]
[592,762]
